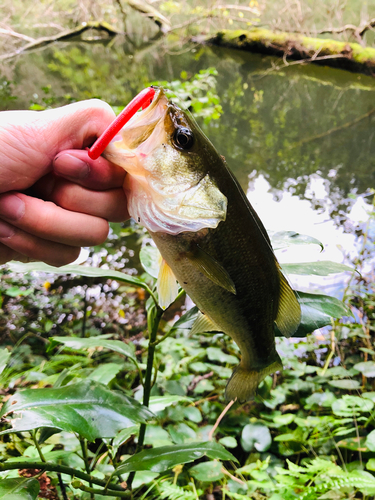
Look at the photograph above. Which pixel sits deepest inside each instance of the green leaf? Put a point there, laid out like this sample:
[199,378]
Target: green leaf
[351,406]
[19,488]
[124,435]
[371,464]
[4,358]
[319,268]
[166,457]
[255,436]
[91,272]
[370,441]
[94,342]
[15,291]
[367,368]
[105,373]
[158,403]
[354,444]
[150,260]
[216,354]
[208,471]
[187,320]
[228,442]
[284,239]
[316,312]
[345,384]
[88,408]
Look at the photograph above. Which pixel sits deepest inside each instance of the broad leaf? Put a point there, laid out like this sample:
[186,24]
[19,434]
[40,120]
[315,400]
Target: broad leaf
[208,471]
[158,403]
[367,368]
[124,435]
[285,239]
[4,358]
[166,457]
[88,408]
[317,310]
[370,441]
[105,373]
[94,342]
[150,260]
[256,436]
[319,268]
[345,384]
[19,488]
[91,272]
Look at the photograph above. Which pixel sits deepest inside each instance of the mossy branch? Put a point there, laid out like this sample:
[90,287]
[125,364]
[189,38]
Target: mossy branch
[350,56]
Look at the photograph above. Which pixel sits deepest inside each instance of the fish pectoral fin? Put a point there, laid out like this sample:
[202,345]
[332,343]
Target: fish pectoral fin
[204,324]
[167,286]
[289,312]
[211,268]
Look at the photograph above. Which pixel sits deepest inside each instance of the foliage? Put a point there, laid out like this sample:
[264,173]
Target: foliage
[83,346]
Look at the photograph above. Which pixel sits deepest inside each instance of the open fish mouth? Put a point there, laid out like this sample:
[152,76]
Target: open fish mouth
[168,185]
[135,136]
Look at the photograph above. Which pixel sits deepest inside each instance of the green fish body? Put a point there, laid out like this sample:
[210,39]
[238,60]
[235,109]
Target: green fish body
[209,236]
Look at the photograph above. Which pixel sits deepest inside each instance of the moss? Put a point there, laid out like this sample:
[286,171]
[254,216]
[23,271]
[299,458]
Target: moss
[351,56]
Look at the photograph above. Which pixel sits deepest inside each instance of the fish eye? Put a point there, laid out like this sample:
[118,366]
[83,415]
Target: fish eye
[183,138]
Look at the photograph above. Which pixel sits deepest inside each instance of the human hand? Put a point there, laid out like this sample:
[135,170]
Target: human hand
[75,196]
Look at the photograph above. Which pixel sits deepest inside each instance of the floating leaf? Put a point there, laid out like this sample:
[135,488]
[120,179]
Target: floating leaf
[91,272]
[166,457]
[367,368]
[255,436]
[94,342]
[19,488]
[208,471]
[285,239]
[88,408]
[318,268]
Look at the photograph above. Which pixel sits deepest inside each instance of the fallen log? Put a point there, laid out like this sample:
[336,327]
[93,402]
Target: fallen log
[344,55]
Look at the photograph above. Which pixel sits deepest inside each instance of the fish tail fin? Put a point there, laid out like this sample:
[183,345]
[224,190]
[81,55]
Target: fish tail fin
[243,383]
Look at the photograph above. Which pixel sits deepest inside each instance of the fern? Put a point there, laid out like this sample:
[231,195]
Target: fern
[173,492]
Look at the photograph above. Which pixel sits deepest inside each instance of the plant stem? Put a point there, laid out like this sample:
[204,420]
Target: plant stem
[38,446]
[63,469]
[93,491]
[83,443]
[153,319]
[62,486]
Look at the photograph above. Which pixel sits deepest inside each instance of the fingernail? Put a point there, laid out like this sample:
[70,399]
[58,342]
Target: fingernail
[6,230]
[71,166]
[11,207]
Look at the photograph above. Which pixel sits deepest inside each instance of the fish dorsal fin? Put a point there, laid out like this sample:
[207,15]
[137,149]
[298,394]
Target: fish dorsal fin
[167,286]
[204,324]
[211,268]
[289,312]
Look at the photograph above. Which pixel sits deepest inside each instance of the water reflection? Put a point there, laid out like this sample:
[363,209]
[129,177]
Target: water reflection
[286,211]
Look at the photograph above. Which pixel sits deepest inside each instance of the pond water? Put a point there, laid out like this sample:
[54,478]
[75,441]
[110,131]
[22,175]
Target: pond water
[300,139]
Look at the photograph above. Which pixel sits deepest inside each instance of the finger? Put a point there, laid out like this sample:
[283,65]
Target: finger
[45,220]
[110,205]
[7,254]
[34,248]
[100,174]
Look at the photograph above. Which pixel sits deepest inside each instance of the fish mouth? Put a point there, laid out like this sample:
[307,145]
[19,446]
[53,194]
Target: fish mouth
[143,132]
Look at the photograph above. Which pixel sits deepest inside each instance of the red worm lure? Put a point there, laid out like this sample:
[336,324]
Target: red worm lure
[142,100]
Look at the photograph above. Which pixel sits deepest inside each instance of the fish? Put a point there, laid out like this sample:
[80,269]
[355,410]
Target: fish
[211,240]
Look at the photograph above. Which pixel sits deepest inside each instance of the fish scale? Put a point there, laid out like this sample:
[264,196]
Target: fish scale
[209,235]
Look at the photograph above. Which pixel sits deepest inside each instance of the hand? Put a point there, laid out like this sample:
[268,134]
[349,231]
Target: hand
[55,198]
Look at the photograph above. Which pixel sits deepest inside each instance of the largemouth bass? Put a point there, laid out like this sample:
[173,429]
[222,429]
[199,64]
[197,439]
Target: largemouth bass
[211,239]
